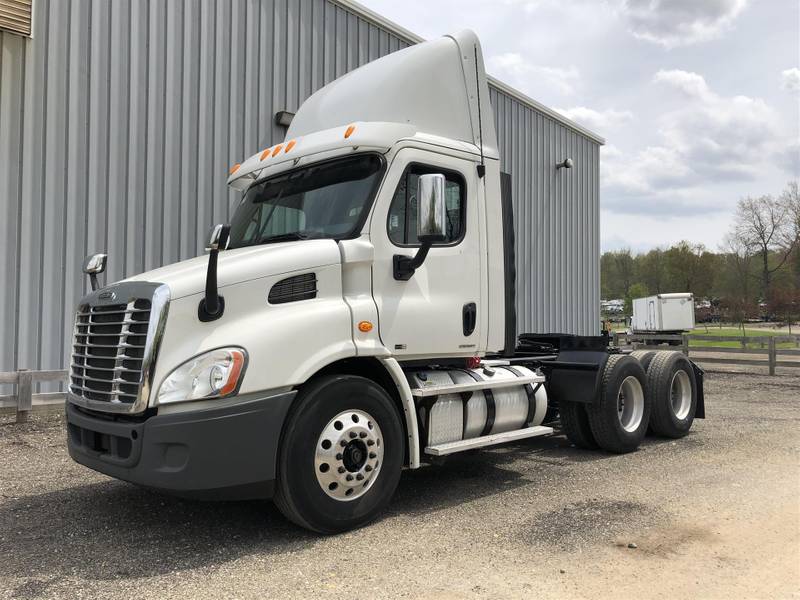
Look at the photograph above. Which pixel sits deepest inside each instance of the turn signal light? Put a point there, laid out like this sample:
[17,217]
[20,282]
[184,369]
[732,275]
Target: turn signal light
[277,150]
[234,168]
[349,131]
[289,146]
[265,153]
[365,326]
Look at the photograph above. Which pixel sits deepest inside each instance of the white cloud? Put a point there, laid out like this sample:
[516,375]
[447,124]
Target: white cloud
[672,23]
[790,79]
[597,120]
[710,139]
[513,68]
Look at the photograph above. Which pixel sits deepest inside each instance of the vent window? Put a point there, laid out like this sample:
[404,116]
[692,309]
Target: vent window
[15,16]
[299,287]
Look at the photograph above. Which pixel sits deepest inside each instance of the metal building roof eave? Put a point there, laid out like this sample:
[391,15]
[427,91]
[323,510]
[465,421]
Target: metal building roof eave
[412,38]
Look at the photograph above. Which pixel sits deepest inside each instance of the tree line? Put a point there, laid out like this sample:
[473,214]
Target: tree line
[755,273]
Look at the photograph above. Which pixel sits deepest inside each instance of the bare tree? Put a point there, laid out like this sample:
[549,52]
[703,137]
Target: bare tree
[765,226]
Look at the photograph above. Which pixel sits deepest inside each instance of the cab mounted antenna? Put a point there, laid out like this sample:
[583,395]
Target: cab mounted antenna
[482,166]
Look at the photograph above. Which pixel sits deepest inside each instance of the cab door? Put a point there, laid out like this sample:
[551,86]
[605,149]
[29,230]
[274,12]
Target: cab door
[438,311]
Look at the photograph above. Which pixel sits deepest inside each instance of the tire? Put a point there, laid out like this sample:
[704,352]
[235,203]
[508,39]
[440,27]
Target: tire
[575,424]
[672,387]
[620,414]
[644,357]
[349,412]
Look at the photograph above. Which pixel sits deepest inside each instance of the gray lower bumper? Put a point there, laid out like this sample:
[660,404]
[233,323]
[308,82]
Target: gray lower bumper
[228,452]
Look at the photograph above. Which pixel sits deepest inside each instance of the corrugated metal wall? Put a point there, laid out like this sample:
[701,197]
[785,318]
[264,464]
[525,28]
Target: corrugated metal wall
[556,219]
[119,121]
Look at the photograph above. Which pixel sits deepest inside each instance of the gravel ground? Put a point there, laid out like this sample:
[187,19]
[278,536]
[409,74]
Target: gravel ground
[714,515]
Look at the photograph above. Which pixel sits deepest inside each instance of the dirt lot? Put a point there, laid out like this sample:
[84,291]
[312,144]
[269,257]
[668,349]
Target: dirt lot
[715,515]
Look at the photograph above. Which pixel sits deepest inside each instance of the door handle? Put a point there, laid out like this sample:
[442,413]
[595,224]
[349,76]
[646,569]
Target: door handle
[469,315]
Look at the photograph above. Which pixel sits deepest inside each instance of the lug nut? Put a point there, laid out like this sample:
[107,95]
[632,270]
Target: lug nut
[368,468]
[341,469]
[359,477]
[339,456]
[371,455]
[352,434]
[343,443]
[362,435]
[349,478]
[370,443]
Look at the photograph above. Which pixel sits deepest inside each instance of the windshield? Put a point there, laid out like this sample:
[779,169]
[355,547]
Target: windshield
[327,200]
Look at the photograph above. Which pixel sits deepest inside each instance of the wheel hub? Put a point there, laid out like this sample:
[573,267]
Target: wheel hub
[348,455]
[630,404]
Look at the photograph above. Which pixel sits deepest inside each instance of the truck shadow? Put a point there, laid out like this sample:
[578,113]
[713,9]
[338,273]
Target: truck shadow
[112,530]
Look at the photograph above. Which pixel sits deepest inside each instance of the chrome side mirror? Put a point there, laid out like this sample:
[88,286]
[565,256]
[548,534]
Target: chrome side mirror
[431,209]
[93,265]
[431,219]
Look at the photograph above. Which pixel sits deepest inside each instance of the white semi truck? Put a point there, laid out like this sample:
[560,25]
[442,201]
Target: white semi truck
[355,318]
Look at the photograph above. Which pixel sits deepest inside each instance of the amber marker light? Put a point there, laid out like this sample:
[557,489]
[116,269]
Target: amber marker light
[365,326]
[349,131]
[290,145]
[265,153]
[237,360]
[277,150]
[234,168]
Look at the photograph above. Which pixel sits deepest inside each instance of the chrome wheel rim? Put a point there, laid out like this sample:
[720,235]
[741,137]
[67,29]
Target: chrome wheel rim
[348,455]
[680,392]
[630,404]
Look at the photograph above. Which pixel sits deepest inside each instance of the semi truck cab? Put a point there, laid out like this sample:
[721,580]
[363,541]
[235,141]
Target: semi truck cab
[356,317]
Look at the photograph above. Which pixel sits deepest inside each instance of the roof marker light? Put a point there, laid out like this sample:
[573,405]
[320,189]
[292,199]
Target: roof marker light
[290,145]
[265,153]
[234,168]
[349,131]
[277,150]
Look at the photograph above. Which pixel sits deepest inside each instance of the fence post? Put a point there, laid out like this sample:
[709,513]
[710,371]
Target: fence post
[24,394]
[772,355]
[685,344]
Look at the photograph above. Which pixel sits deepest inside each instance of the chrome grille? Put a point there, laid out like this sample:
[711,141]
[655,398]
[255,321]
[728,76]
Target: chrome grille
[109,349]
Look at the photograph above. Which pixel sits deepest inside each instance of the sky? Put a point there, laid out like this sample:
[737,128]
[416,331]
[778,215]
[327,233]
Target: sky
[698,100]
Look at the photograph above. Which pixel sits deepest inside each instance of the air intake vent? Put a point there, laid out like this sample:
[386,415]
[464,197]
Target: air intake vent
[299,287]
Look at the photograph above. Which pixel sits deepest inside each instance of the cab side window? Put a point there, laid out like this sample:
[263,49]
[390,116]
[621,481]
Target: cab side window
[402,223]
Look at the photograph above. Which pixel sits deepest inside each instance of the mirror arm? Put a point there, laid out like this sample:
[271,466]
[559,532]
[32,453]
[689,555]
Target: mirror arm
[405,266]
[213,305]
[93,281]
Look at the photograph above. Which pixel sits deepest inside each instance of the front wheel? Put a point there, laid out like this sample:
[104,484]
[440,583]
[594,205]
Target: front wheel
[341,455]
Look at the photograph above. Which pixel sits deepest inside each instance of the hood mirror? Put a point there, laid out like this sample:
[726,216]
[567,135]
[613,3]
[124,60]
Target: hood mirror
[94,265]
[213,305]
[216,239]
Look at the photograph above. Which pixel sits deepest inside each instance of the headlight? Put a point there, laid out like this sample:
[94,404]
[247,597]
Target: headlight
[214,374]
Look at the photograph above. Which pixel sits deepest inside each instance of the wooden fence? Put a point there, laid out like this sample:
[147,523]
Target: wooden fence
[24,400]
[767,347]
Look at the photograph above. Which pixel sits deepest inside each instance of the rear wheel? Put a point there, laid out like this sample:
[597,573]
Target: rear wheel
[620,415]
[672,387]
[341,455]
[644,357]
[575,423]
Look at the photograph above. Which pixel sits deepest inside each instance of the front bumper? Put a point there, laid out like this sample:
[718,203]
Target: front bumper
[219,453]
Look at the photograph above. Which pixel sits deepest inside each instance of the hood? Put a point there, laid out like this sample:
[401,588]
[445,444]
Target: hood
[243,264]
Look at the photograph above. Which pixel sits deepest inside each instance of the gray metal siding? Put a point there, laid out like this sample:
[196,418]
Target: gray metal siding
[119,121]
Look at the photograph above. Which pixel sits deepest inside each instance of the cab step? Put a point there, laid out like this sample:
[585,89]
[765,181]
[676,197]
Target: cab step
[487,440]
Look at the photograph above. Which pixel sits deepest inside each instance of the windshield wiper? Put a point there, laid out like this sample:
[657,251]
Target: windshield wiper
[292,235]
